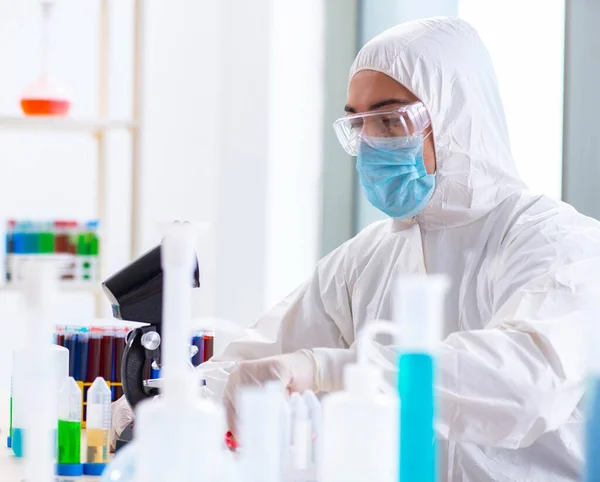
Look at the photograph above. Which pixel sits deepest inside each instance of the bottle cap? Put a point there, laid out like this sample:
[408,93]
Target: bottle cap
[93,469]
[69,470]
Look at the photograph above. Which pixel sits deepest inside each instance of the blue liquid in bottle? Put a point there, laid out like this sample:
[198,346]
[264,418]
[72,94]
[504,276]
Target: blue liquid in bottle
[592,431]
[417,440]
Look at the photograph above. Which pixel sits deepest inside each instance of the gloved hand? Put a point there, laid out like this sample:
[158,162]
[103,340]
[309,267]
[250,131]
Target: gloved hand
[295,371]
[121,416]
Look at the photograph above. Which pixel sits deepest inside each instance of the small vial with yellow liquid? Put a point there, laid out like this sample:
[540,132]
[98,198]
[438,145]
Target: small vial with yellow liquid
[97,427]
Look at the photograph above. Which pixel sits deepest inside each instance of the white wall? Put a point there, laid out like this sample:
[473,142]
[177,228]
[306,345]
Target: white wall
[526,42]
[231,135]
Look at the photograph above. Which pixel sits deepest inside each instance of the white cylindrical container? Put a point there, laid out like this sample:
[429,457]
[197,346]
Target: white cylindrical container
[360,430]
[261,432]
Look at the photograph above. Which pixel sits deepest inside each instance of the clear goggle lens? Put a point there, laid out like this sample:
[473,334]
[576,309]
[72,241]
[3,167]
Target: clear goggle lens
[405,122]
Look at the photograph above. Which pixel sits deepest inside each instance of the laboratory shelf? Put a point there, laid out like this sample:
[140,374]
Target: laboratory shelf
[67,286]
[66,124]
[98,127]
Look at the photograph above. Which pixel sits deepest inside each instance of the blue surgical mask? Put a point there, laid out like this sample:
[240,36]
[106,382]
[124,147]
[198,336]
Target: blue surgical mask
[393,175]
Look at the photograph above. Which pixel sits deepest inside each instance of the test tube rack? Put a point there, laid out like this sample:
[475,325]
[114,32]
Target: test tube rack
[97,351]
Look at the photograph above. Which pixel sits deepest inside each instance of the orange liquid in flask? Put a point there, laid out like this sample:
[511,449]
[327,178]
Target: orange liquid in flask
[32,106]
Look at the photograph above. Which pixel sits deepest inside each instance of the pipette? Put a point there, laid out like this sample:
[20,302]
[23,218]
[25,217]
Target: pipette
[97,427]
[69,429]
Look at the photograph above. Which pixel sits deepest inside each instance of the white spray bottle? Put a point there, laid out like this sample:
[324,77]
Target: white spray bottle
[360,423]
[179,436]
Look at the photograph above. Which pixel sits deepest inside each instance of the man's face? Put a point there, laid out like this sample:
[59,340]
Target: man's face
[370,90]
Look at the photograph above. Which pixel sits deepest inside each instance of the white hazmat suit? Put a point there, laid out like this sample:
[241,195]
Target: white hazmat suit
[522,267]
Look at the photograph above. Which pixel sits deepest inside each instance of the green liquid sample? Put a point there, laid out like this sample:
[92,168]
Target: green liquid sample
[69,442]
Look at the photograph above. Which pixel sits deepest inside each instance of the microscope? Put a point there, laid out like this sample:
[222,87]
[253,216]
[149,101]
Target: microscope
[136,294]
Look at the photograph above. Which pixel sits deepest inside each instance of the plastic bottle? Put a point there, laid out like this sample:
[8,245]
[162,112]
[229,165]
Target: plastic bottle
[419,314]
[261,430]
[40,295]
[179,436]
[69,429]
[97,427]
[39,371]
[360,424]
[19,384]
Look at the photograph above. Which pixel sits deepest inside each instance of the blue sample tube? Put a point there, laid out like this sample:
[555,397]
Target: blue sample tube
[592,431]
[417,441]
[70,345]
[419,312]
[83,350]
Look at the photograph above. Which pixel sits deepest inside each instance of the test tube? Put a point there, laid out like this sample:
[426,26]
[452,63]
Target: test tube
[60,335]
[94,353]
[69,429]
[97,427]
[198,342]
[209,338]
[83,353]
[10,230]
[70,345]
[106,353]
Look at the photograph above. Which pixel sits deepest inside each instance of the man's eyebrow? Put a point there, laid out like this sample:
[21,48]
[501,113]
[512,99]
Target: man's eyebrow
[378,105]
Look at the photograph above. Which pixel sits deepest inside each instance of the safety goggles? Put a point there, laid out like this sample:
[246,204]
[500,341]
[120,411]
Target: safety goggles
[400,122]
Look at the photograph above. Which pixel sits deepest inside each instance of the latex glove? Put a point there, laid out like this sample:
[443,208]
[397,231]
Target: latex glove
[295,371]
[121,415]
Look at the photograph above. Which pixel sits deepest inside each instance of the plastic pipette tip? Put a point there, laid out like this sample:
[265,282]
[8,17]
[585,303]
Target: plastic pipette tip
[69,470]
[93,469]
